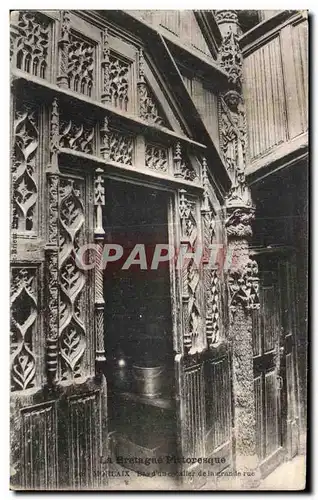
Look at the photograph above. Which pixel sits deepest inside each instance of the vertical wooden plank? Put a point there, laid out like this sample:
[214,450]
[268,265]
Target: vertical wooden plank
[290,83]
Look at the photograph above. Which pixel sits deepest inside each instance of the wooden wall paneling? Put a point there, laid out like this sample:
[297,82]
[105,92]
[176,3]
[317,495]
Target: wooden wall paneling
[265,98]
[299,33]
[290,82]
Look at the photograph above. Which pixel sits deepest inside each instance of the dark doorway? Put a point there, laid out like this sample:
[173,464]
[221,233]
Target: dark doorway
[138,325]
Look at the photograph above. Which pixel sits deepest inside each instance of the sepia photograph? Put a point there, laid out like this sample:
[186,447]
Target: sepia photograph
[159,200]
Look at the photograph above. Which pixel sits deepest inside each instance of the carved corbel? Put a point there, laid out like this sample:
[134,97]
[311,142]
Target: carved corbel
[99,202]
[63,44]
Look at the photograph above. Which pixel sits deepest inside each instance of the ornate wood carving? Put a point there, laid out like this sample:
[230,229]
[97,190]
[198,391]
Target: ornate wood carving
[118,82]
[77,136]
[72,335]
[243,287]
[24,168]
[238,222]
[38,435]
[104,139]
[231,58]
[99,202]
[233,132]
[30,43]
[24,312]
[242,278]
[51,251]
[157,157]
[63,44]
[106,97]
[182,167]
[192,320]
[81,65]
[212,300]
[149,108]
[226,16]
[121,147]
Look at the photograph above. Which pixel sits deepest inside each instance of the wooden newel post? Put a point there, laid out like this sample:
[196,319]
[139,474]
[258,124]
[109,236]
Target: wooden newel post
[242,276]
[99,202]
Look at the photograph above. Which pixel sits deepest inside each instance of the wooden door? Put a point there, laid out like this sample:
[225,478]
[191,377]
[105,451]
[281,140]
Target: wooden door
[274,362]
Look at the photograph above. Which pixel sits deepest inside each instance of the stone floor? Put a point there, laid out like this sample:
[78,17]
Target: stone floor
[288,476]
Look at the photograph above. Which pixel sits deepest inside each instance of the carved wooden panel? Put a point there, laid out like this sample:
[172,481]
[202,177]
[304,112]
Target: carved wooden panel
[83,441]
[81,65]
[72,331]
[149,107]
[39,446]
[77,134]
[265,98]
[25,168]
[193,338]
[218,403]
[30,42]
[212,301]
[194,411]
[157,157]
[121,147]
[24,314]
[119,79]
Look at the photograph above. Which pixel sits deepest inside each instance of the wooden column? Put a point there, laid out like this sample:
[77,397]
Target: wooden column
[242,280]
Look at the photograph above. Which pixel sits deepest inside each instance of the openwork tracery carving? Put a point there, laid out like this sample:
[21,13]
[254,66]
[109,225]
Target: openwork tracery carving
[121,147]
[31,43]
[190,276]
[77,136]
[24,169]
[72,341]
[231,58]
[149,108]
[212,315]
[81,65]
[243,287]
[118,73]
[23,320]
[182,166]
[157,157]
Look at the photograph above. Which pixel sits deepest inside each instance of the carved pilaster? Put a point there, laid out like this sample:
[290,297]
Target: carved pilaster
[63,44]
[99,202]
[193,332]
[106,97]
[51,251]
